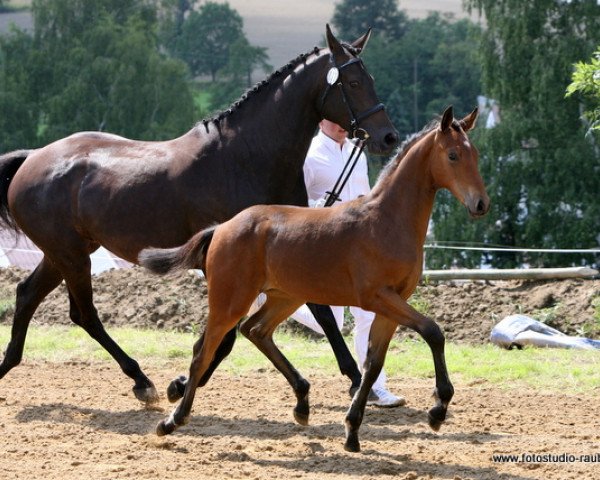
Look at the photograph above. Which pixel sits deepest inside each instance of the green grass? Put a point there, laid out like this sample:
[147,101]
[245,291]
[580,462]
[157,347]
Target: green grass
[572,371]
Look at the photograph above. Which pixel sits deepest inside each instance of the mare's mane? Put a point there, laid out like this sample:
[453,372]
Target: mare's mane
[289,67]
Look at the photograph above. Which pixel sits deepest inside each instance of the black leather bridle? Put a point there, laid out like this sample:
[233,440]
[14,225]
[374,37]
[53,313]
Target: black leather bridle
[334,78]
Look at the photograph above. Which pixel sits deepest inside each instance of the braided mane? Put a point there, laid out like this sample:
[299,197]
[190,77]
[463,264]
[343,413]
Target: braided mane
[260,85]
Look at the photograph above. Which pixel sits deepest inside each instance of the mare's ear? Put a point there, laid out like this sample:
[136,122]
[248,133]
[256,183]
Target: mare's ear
[447,118]
[335,47]
[360,43]
[468,122]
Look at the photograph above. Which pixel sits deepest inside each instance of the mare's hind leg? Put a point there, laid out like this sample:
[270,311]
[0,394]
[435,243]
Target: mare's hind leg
[30,293]
[324,317]
[76,272]
[259,330]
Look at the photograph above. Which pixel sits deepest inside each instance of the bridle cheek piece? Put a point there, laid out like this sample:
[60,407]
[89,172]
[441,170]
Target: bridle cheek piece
[334,79]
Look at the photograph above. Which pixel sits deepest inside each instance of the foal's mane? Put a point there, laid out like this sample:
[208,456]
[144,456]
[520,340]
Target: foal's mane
[407,144]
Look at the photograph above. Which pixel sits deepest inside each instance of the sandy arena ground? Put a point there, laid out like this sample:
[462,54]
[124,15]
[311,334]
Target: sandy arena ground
[80,421]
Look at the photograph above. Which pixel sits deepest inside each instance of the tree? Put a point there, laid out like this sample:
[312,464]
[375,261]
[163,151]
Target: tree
[207,36]
[540,170]
[18,121]
[95,65]
[352,18]
[432,66]
[586,81]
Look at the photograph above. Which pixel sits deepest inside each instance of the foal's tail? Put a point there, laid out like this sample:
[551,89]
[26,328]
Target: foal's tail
[191,254]
[9,164]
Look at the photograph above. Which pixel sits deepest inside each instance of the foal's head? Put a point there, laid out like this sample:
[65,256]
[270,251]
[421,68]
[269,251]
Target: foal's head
[349,98]
[454,163]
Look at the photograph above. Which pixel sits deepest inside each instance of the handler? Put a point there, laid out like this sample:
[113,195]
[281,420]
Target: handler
[326,158]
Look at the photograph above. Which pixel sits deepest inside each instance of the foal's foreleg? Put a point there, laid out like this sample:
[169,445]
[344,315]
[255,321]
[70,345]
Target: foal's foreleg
[259,330]
[381,333]
[324,317]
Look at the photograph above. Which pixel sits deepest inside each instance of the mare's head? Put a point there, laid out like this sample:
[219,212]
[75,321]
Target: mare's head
[349,98]
[455,160]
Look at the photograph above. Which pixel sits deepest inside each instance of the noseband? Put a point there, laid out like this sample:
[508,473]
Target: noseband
[334,79]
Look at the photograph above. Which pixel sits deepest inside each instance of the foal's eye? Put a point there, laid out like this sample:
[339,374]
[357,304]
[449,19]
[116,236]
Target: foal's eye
[453,156]
[354,83]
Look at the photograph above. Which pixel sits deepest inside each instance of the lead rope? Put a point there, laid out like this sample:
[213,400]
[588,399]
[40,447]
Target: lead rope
[334,195]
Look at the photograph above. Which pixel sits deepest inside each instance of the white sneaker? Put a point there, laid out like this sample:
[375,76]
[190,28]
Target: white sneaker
[385,399]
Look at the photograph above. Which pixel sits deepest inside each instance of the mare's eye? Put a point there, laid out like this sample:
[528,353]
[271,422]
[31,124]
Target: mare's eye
[354,83]
[453,156]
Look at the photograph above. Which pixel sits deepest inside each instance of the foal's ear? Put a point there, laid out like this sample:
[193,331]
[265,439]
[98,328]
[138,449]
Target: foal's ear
[468,122]
[447,119]
[335,47]
[360,43]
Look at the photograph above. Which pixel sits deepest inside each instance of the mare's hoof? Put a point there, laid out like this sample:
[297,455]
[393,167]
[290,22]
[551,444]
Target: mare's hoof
[165,427]
[436,417]
[176,389]
[352,445]
[147,395]
[301,417]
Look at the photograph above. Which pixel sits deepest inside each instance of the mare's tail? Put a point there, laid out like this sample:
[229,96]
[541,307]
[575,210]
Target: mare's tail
[191,254]
[9,164]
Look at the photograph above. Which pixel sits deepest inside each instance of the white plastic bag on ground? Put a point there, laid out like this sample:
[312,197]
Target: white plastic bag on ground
[521,330]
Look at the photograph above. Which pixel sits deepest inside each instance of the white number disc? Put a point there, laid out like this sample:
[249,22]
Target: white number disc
[332,76]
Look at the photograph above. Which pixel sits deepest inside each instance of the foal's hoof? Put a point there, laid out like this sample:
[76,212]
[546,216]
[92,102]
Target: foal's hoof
[436,417]
[176,389]
[148,395]
[165,427]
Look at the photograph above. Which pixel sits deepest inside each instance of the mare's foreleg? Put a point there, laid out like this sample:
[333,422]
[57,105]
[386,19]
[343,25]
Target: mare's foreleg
[30,293]
[176,388]
[324,317]
[259,330]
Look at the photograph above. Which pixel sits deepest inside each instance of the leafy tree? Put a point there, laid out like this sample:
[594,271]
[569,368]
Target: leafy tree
[586,81]
[18,121]
[431,66]
[542,173]
[207,36]
[95,65]
[352,18]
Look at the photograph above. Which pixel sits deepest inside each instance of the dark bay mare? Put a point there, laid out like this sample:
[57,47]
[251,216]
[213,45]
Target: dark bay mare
[92,189]
[265,249]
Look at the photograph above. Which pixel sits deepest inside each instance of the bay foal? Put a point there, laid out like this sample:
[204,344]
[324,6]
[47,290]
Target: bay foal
[367,252]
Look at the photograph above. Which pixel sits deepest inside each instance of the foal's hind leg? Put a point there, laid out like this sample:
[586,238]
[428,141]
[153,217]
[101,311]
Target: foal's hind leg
[176,388]
[259,330]
[76,272]
[30,293]
[204,351]
[324,317]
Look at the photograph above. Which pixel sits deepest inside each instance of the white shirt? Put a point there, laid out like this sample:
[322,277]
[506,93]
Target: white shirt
[324,163]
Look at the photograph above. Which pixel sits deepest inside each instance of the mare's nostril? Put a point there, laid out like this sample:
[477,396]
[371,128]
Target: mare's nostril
[480,206]
[391,139]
